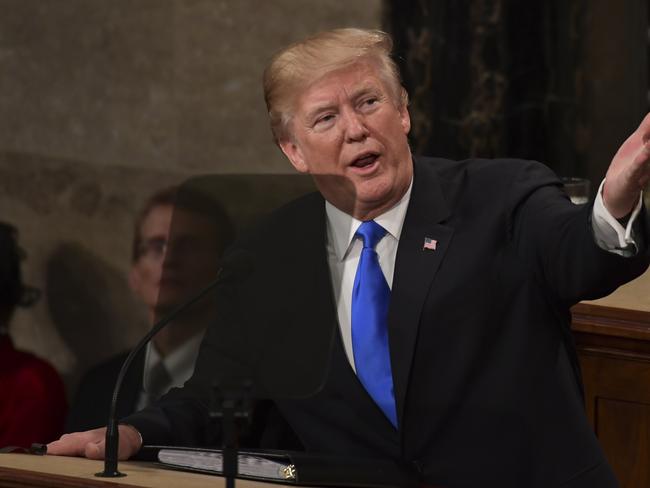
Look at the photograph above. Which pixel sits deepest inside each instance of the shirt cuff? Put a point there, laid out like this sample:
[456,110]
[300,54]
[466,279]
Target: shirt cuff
[610,235]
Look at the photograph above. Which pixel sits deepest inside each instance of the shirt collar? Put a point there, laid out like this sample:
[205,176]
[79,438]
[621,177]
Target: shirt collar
[342,226]
[180,362]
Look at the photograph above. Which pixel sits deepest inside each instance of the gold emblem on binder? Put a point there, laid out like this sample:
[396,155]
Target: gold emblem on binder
[289,472]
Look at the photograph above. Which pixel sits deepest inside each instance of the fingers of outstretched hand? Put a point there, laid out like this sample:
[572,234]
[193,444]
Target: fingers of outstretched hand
[630,167]
[628,172]
[636,146]
[640,167]
[643,152]
[643,141]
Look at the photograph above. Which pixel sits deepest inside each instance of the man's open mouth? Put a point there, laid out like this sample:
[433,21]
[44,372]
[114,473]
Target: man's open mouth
[365,160]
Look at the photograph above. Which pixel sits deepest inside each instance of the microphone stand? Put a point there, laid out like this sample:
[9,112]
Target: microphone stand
[112,432]
[230,402]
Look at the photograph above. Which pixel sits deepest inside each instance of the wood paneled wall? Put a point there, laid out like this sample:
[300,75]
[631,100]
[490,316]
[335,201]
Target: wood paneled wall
[614,350]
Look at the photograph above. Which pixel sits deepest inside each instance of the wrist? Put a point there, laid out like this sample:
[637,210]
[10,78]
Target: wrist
[619,208]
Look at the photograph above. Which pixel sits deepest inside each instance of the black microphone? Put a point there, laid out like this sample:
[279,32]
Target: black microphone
[237,263]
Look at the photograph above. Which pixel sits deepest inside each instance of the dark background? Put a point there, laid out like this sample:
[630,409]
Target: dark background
[563,82]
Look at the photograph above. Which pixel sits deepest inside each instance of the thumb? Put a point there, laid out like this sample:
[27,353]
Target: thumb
[643,153]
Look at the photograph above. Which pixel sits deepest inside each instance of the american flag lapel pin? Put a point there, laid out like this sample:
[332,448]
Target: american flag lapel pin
[430,244]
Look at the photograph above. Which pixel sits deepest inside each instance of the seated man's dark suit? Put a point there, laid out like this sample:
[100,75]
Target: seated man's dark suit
[92,401]
[486,379]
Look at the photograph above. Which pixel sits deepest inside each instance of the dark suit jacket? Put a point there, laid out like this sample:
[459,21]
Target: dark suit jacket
[486,379]
[92,400]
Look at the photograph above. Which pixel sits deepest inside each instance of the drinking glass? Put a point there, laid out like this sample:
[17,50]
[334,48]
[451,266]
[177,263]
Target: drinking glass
[578,189]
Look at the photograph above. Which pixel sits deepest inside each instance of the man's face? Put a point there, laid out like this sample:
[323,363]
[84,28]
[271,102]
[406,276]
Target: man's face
[171,269]
[351,136]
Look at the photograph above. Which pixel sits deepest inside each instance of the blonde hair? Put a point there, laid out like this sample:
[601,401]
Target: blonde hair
[304,62]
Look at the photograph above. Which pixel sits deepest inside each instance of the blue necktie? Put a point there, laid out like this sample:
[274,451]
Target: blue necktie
[370,299]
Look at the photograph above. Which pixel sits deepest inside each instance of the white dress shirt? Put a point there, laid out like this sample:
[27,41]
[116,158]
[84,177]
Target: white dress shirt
[344,249]
[179,364]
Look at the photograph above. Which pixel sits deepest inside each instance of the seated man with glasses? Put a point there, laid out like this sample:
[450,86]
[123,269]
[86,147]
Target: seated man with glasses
[167,268]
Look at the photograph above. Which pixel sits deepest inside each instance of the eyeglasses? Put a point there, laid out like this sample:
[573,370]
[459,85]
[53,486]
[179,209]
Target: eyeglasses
[156,247]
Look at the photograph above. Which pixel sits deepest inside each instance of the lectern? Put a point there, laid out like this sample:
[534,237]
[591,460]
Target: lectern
[29,471]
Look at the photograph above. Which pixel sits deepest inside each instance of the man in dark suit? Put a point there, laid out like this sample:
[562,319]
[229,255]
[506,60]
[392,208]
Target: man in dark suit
[178,239]
[450,283]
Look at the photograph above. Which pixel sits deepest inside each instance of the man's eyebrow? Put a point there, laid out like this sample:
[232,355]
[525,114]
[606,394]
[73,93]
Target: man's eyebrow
[318,108]
[362,91]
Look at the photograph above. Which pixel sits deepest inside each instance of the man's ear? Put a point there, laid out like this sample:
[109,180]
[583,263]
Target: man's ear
[405,119]
[293,153]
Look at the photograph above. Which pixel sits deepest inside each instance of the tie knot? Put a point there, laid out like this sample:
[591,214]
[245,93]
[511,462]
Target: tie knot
[371,233]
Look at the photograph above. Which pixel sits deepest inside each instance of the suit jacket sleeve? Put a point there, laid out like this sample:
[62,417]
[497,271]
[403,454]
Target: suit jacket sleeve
[554,238]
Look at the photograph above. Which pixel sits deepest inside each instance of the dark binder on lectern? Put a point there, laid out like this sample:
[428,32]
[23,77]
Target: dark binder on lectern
[289,467]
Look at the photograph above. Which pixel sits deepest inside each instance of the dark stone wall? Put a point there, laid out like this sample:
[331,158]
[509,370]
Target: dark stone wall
[171,84]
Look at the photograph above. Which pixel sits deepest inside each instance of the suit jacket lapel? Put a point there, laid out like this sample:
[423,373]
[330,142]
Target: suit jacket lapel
[415,270]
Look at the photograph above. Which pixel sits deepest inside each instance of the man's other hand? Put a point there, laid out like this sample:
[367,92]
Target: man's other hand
[91,443]
[628,172]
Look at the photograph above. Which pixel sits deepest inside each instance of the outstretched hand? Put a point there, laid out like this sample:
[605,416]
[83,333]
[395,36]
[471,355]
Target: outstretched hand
[628,172]
[91,443]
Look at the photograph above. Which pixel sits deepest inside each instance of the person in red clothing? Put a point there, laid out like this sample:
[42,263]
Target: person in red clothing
[32,397]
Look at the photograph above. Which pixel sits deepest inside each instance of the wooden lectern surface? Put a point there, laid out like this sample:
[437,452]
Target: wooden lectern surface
[30,471]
